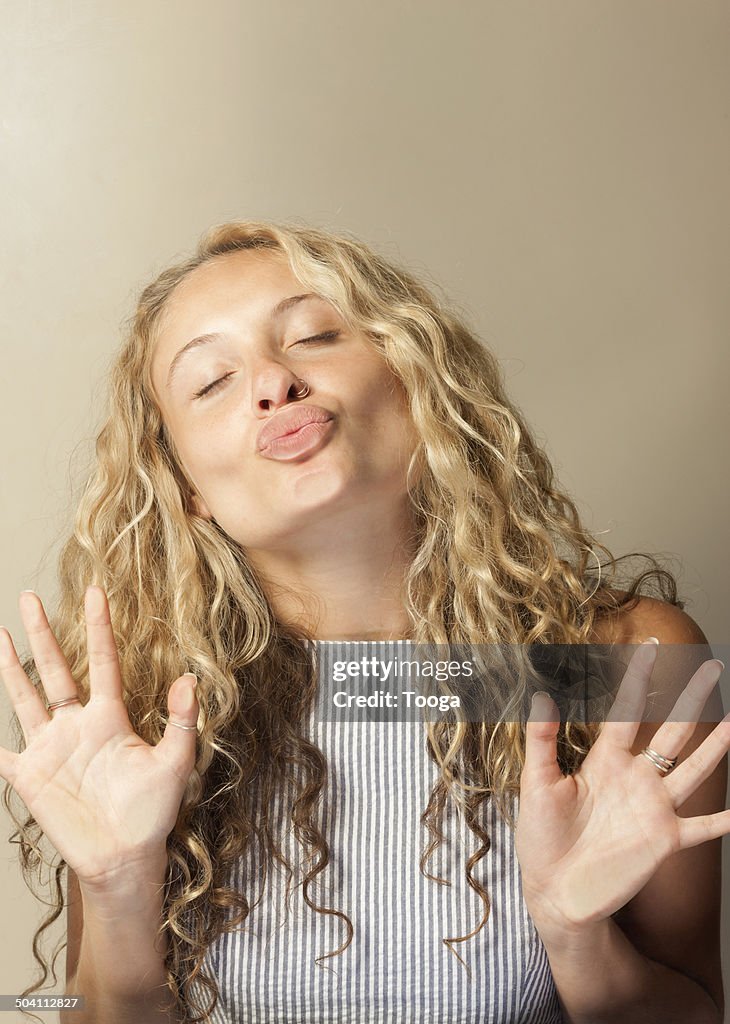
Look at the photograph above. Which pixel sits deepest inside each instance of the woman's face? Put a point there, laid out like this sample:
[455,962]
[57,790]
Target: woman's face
[304,490]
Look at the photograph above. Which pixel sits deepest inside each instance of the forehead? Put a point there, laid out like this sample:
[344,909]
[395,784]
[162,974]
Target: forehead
[239,279]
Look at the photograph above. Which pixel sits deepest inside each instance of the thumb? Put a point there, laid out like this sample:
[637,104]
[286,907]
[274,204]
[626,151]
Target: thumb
[177,743]
[541,751]
[182,701]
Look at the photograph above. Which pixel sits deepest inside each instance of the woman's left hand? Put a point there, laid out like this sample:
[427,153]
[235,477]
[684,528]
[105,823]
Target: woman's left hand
[588,842]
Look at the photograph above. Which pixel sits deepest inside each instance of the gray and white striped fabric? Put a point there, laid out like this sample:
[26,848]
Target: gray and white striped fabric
[396,969]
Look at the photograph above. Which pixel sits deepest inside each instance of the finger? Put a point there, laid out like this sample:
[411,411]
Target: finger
[177,746]
[702,828]
[683,780]
[676,732]
[541,753]
[52,666]
[24,697]
[628,707]
[105,676]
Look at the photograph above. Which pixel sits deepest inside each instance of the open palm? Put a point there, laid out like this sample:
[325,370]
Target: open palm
[588,842]
[104,797]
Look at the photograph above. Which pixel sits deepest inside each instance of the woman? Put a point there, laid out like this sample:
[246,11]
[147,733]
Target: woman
[408,503]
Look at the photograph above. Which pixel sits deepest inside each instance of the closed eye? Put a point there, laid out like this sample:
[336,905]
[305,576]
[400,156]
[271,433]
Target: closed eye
[212,387]
[324,336]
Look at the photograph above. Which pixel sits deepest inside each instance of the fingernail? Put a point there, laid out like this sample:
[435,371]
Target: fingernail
[26,606]
[94,600]
[540,700]
[651,640]
[190,692]
[721,664]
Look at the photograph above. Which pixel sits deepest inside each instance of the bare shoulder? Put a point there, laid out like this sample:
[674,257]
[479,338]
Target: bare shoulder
[671,625]
[644,617]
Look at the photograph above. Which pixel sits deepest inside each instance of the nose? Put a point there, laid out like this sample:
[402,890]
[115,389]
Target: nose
[275,386]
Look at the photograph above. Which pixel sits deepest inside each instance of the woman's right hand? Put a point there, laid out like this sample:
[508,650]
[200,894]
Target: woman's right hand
[106,799]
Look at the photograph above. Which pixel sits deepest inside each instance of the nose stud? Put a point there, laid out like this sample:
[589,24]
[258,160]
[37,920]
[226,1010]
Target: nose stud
[303,390]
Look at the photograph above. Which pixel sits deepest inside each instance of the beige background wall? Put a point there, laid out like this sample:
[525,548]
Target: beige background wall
[560,168]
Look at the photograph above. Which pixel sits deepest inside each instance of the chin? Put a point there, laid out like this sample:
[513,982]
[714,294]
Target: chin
[319,484]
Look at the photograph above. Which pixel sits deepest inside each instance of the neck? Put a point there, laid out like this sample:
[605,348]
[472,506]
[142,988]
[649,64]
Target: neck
[347,587]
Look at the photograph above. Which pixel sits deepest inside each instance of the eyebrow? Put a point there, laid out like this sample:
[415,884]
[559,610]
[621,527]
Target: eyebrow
[205,339]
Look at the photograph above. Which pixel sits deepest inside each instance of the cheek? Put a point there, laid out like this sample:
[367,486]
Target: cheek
[395,404]
[382,390]
[391,421]
[212,450]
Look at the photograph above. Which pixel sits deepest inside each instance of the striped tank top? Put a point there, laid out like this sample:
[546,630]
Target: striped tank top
[396,970]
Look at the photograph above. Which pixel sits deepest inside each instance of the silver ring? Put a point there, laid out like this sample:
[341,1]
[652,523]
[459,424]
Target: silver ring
[661,763]
[62,703]
[305,392]
[190,728]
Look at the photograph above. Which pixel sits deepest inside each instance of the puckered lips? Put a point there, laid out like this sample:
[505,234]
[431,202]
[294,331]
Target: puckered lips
[294,431]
